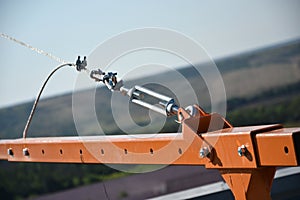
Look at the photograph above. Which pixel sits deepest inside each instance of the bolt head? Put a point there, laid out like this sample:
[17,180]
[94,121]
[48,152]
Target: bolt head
[10,152]
[204,152]
[242,150]
[25,152]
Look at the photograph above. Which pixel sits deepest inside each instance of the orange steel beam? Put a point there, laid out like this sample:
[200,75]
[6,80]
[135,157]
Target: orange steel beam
[271,146]
[245,156]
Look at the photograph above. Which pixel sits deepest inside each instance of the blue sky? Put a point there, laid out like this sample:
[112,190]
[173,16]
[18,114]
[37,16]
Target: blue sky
[70,28]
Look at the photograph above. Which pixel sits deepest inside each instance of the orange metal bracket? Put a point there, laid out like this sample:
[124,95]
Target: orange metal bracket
[245,156]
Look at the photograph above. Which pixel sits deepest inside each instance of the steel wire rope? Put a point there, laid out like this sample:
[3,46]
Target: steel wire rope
[64,63]
[39,95]
[36,103]
[49,55]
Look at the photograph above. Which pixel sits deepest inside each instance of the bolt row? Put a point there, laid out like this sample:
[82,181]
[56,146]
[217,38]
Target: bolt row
[205,151]
[26,151]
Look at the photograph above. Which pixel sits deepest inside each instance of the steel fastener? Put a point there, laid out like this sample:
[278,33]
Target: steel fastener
[10,152]
[204,152]
[242,150]
[25,152]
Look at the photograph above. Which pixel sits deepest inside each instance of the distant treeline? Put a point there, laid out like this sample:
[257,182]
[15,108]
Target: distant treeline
[280,105]
[25,180]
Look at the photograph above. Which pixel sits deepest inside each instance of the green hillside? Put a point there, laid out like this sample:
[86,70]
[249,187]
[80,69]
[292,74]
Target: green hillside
[280,105]
[262,87]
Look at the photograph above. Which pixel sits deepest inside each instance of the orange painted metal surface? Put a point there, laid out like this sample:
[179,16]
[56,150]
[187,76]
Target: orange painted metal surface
[266,146]
[144,149]
[250,184]
[279,147]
